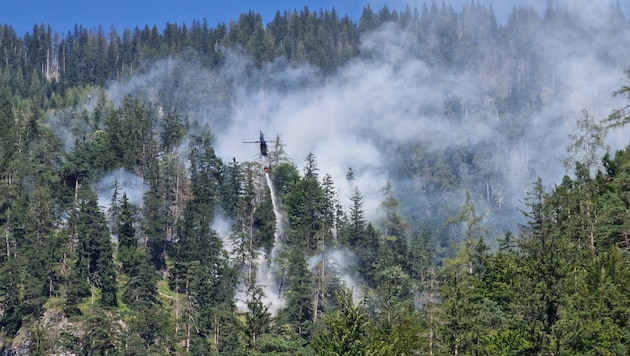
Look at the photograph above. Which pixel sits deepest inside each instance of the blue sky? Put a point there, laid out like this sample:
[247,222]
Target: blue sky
[62,15]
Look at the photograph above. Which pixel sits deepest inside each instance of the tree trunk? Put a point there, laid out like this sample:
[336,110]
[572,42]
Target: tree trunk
[188,316]
[215,335]
[76,190]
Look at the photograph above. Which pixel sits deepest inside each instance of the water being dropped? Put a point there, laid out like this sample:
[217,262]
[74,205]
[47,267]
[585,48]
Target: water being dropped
[279,228]
[268,275]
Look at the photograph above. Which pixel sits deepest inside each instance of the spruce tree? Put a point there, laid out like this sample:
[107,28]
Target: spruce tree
[94,263]
[544,267]
[343,332]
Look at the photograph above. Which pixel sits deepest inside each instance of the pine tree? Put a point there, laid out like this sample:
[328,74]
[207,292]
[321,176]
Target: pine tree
[240,198]
[544,267]
[285,175]
[357,223]
[419,257]
[8,134]
[394,229]
[344,332]
[11,319]
[472,230]
[94,263]
[596,306]
[201,266]
[305,204]
[127,237]
[140,291]
[162,207]
[173,131]
[373,246]
[298,310]
[100,333]
[257,319]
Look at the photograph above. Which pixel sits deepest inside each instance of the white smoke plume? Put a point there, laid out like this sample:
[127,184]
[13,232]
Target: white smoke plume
[128,183]
[342,264]
[389,97]
[222,225]
[271,284]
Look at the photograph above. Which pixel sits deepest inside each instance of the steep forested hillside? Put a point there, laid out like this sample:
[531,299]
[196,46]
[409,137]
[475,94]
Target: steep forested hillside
[436,182]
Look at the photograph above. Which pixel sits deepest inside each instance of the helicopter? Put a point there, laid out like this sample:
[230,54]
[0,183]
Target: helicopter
[263,147]
[263,144]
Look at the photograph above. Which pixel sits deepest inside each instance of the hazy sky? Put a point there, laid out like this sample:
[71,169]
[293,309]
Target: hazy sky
[62,15]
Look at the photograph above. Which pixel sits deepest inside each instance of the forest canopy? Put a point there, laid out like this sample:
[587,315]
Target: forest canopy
[435,183]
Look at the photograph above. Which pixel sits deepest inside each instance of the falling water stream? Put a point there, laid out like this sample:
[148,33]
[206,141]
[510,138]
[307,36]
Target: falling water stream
[267,274]
[279,228]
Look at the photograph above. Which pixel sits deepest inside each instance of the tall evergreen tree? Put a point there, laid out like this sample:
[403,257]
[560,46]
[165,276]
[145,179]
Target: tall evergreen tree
[394,229]
[94,265]
[344,332]
[305,204]
[298,310]
[544,268]
[258,318]
[201,264]
[8,134]
[127,236]
[357,222]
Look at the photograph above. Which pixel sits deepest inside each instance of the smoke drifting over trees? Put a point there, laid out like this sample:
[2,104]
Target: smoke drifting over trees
[402,152]
[499,98]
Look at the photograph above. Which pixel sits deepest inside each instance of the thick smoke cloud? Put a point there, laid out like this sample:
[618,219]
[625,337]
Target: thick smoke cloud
[353,118]
[393,96]
[388,97]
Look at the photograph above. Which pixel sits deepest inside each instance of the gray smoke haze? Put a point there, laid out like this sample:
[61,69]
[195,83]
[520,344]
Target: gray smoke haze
[503,8]
[127,182]
[267,279]
[342,264]
[388,97]
[223,226]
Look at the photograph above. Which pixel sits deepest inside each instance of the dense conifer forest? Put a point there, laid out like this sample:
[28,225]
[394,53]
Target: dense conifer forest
[437,182]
